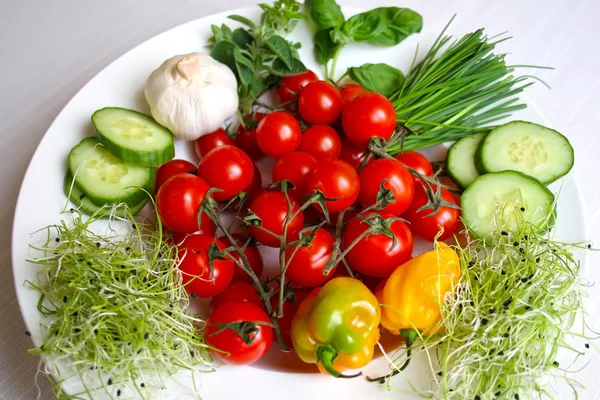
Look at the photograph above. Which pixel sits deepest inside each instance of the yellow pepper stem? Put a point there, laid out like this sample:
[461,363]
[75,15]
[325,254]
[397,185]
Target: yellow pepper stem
[409,335]
[326,355]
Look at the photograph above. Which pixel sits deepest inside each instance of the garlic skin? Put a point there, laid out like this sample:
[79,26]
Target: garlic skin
[192,95]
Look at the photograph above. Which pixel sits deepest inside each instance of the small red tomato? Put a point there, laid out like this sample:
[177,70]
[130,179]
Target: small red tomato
[206,143]
[350,90]
[320,103]
[236,291]
[246,137]
[172,168]
[307,263]
[195,267]
[178,202]
[322,142]
[368,115]
[272,208]
[416,161]
[427,227]
[397,179]
[290,307]
[291,86]
[278,134]
[336,179]
[376,254]
[229,345]
[352,154]
[252,255]
[294,167]
[227,168]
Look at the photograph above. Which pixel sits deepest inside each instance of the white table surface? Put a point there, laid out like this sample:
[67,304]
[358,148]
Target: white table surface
[50,49]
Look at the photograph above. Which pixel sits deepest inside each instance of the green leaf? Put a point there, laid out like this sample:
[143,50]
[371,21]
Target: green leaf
[360,28]
[281,48]
[226,32]
[380,78]
[399,24]
[325,13]
[243,20]
[325,48]
[223,52]
[242,38]
[280,69]
[243,66]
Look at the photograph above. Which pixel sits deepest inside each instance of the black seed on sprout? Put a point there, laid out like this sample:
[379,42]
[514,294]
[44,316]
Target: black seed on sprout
[537,260]
[29,333]
[506,304]
[515,244]
[42,347]
[497,394]
[522,208]
[503,272]
[145,279]
[589,246]
[134,271]
[477,397]
[118,392]
[382,381]
[555,363]
[524,280]
[76,330]
[471,263]
[127,248]
[171,305]
[98,244]
[504,233]
[521,250]
[587,345]
[527,308]
[523,260]
[516,396]
[506,335]
[58,240]
[440,373]
[133,226]
[64,299]
[142,384]
[484,321]
[492,310]
[192,353]
[169,313]
[501,353]
[72,210]
[525,237]
[139,351]
[475,278]
[89,263]
[95,331]
[110,381]
[146,335]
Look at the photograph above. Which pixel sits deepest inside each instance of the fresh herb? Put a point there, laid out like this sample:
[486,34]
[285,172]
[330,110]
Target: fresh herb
[257,54]
[380,78]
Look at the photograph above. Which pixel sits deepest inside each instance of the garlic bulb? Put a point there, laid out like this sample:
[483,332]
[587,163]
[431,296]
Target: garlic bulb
[192,95]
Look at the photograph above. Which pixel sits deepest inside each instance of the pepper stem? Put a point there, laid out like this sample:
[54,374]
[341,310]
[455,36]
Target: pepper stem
[409,335]
[326,355]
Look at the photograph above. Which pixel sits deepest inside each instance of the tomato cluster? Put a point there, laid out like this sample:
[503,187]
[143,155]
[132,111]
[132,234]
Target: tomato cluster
[319,137]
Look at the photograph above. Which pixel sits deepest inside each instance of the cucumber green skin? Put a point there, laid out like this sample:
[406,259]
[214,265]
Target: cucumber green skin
[480,163]
[138,157]
[455,178]
[132,195]
[84,204]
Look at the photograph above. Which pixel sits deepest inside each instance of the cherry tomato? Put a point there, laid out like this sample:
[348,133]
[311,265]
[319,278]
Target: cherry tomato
[368,115]
[352,154]
[252,255]
[322,142]
[170,169]
[205,143]
[272,208]
[278,134]
[336,179]
[397,179]
[195,267]
[294,167]
[246,137]
[228,344]
[178,202]
[290,307]
[376,254]
[427,227]
[350,90]
[416,161]
[320,103]
[307,263]
[292,85]
[236,291]
[227,168]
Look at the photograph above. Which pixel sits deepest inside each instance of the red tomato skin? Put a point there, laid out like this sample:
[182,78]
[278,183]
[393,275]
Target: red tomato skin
[368,115]
[227,168]
[271,207]
[170,169]
[320,103]
[236,291]
[178,202]
[205,143]
[336,179]
[350,90]
[307,263]
[252,255]
[195,267]
[375,254]
[232,348]
[322,142]
[278,134]
[399,181]
[416,161]
[246,137]
[352,154]
[291,86]
[427,227]
[290,307]
[294,167]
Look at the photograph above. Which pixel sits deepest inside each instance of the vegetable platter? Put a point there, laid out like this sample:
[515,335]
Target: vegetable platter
[243,206]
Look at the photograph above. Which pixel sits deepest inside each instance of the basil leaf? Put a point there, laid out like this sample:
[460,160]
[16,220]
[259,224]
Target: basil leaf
[243,66]
[220,33]
[399,24]
[325,48]
[361,27]
[242,38]
[279,68]
[325,13]
[223,52]
[380,78]
[281,48]
[243,20]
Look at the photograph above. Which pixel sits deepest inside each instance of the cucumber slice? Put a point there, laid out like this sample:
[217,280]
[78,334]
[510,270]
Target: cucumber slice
[526,147]
[84,204]
[133,137]
[107,180]
[460,161]
[498,201]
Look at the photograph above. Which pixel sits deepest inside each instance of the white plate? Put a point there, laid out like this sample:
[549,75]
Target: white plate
[121,84]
